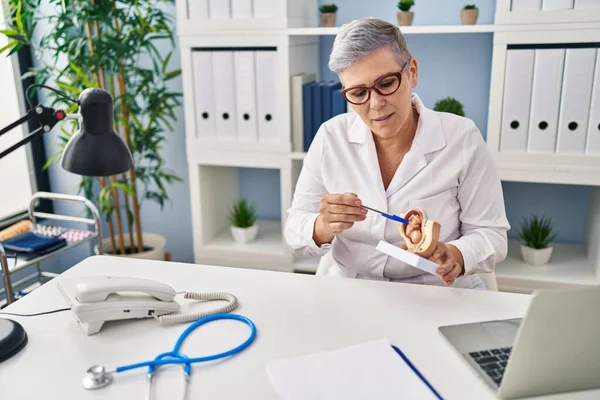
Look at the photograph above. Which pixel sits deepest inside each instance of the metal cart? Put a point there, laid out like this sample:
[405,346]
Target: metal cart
[20,264]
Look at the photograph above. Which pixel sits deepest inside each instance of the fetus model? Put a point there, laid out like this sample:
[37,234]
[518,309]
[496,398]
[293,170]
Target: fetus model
[420,234]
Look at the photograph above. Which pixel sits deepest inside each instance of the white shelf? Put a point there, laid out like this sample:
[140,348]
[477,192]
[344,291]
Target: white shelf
[298,155]
[415,29]
[568,266]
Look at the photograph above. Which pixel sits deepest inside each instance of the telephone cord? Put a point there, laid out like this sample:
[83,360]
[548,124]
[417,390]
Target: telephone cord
[232,303]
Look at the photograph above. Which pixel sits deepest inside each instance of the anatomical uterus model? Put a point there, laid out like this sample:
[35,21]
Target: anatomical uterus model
[420,234]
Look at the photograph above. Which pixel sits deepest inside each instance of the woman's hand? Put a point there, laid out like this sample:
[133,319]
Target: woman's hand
[450,260]
[337,213]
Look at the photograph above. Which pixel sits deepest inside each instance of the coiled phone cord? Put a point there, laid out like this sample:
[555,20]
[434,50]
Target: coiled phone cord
[232,303]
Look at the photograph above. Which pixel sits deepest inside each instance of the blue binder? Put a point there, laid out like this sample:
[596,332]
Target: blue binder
[307,113]
[416,371]
[339,105]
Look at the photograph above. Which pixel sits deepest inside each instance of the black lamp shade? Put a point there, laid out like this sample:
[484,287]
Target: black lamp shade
[96,149]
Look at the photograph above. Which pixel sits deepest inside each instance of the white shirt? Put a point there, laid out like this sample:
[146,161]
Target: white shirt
[448,173]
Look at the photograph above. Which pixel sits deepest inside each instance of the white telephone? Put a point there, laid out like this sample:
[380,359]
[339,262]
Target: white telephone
[97,299]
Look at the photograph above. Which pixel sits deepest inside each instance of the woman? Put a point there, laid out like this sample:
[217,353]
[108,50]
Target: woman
[393,154]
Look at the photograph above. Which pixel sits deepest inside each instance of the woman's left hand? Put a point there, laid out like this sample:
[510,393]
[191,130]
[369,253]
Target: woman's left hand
[450,261]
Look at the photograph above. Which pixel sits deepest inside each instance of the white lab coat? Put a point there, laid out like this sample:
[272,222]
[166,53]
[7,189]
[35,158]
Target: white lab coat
[448,172]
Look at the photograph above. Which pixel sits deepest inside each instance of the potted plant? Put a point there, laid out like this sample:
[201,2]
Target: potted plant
[99,43]
[469,14]
[328,15]
[449,105]
[243,221]
[535,234]
[405,16]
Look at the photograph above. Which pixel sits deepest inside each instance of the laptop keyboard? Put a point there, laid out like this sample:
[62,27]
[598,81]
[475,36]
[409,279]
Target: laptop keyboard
[493,362]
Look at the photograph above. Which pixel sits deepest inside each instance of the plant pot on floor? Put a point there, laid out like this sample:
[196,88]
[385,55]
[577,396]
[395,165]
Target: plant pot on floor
[469,17]
[536,257]
[244,235]
[328,20]
[154,247]
[405,18]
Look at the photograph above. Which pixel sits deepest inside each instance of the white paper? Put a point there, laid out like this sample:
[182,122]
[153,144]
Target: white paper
[372,370]
[408,257]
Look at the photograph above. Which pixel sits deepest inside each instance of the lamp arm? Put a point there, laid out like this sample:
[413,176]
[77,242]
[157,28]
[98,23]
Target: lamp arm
[18,122]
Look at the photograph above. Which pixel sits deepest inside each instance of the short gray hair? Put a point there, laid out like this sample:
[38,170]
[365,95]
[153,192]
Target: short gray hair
[362,37]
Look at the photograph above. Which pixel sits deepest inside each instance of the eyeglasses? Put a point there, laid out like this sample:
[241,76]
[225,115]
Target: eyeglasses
[385,85]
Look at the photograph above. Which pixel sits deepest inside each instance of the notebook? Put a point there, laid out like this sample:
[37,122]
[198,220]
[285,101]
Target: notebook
[371,370]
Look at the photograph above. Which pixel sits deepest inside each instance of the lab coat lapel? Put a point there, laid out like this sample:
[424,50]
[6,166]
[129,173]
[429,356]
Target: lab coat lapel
[429,138]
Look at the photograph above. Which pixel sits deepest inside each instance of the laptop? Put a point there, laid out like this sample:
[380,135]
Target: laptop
[555,348]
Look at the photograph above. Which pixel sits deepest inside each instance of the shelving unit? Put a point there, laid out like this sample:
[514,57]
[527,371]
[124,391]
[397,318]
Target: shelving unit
[294,34]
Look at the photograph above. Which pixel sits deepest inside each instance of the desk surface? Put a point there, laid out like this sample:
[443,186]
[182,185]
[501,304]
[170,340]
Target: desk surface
[295,314]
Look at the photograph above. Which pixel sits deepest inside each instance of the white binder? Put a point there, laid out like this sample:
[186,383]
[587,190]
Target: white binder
[545,100]
[219,9]
[517,100]
[224,81]
[266,79]
[557,4]
[526,5]
[264,8]
[245,95]
[587,3]
[241,9]
[593,132]
[197,9]
[204,95]
[575,102]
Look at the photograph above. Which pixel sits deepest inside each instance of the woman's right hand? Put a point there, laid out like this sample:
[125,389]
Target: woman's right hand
[337,213]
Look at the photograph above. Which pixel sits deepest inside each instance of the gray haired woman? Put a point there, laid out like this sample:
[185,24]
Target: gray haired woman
[394,154]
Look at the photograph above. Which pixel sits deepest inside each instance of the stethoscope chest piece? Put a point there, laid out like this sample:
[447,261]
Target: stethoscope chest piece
[96,377]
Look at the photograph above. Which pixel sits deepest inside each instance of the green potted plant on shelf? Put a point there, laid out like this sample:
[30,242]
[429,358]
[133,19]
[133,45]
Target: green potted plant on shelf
[469,14]
[535,234]
[449,105]
[405,16]
[243,221]
[99,43]
[328,15]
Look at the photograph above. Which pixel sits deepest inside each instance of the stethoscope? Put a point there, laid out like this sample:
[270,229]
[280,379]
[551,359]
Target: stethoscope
[98,377]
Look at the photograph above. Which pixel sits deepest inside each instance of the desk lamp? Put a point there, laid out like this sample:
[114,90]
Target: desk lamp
[94,150]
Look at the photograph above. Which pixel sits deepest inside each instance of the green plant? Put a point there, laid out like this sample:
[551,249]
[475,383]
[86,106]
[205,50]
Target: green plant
[449,105]
[242,214]
[536,232]
[110,44]
[328,8]
[405,5]
[470,7]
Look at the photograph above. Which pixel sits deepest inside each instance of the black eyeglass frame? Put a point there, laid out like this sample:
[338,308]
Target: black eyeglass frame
[373,87]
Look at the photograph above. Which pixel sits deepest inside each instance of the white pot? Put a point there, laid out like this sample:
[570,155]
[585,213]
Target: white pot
[244,235]
[154,245]
[536,256]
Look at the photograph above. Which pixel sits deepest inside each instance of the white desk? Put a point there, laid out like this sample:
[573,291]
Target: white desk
[295,314]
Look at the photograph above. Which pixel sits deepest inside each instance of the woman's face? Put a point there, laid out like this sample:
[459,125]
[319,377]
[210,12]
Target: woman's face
[385,115]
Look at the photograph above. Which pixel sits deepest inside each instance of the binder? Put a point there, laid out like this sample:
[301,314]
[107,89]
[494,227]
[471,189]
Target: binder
[593,132]
[307,109]
[587,4]
[266,79]
[224,81]
[326,98]
[338,103]
[575,102]
[557,5]
[197,9]
[317,108]
[204,94]
[517,100]
[264,8]
[241,9]
[245,96]
[298,118]
[219,9]
[545,100]
[526,5]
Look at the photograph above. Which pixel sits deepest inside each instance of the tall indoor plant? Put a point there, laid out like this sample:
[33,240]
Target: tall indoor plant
[111,44]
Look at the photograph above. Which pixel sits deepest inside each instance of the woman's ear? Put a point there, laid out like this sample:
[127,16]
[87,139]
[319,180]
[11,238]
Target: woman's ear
[413,70]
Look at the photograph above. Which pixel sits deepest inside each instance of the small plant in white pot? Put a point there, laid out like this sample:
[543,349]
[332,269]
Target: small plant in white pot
[328,15]
[536,233]
[469,14]
[243,221]
[405,16]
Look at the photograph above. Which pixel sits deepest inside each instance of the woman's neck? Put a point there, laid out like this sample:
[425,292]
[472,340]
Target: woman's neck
[402,141]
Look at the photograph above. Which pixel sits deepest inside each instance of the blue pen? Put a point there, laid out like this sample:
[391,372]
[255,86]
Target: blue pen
[393,217]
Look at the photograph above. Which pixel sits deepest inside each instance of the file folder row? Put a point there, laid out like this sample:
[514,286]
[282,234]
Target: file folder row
[551,101]
[230,9]
[548,5]
[312,104]
[235,94]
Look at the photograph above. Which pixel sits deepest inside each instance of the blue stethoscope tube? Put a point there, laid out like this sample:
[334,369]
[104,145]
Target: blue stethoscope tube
[178,358]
